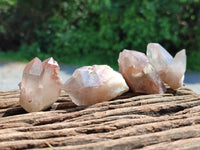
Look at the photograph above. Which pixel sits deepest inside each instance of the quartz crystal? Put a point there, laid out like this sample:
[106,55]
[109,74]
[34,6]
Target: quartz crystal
[171,70]
[93,84]
[139,74]
[40,86]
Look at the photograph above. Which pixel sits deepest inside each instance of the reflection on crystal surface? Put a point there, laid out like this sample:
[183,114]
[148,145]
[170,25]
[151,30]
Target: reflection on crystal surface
[171,70]
[139,73]
[93,84]
[40,86]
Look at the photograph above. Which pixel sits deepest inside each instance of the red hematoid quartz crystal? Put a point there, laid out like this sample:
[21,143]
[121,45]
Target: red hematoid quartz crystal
[139,74]
[93,84]
[171,70]
[40,86]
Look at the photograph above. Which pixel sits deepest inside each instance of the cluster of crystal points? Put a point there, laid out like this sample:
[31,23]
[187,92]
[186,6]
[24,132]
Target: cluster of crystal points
[93,84]
[171,70]
[40,86]
[139,73]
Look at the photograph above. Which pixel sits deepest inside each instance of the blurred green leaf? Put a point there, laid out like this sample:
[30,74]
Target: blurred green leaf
[95,31]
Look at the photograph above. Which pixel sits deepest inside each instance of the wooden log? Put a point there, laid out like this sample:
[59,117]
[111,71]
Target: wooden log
[131,121]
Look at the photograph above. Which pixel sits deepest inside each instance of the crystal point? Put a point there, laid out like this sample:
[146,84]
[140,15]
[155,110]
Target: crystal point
[93,84]
[171,70]
[139,73]
[40,86]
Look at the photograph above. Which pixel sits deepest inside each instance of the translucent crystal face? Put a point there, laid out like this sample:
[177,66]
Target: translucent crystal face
[155,52]
[35,68]
[93,84]
[139,73]
[90,77]
[40,85]
[170,69]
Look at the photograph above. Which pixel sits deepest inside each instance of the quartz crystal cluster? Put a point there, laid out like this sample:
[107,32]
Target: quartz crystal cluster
[139,74]
[40,86]
[93,84]
[171,70]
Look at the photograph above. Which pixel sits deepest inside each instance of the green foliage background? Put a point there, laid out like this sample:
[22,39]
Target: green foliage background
[86,32]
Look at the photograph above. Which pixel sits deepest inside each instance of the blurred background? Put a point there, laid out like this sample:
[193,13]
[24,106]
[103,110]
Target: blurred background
[86,32]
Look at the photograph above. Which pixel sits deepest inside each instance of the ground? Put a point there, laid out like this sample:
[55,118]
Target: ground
[11,74]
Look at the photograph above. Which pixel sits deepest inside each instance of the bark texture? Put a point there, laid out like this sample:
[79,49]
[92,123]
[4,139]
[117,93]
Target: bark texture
[131,121]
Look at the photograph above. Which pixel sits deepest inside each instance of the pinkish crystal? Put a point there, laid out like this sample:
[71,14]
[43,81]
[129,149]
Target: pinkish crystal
[139,73]
[171,70]
[40,86]
[93,84]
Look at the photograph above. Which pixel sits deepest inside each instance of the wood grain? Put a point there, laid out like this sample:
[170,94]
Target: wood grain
[131,121]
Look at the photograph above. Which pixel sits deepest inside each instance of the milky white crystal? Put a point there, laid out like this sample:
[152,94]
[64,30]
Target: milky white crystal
[139,74]
[93,84]
[171,69]
[40,86]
